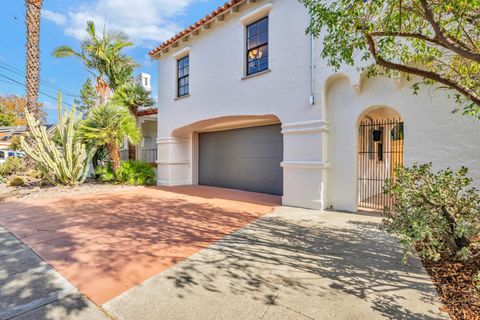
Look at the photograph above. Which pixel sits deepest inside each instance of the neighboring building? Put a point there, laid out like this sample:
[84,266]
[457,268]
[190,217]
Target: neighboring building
[147,122]
[8,133]
[247,102]
[145,80]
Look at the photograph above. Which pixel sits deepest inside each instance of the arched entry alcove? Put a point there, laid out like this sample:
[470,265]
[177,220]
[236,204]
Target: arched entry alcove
[379,151]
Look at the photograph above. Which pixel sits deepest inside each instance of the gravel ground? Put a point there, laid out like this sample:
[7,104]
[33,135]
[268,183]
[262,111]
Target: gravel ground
[8,194]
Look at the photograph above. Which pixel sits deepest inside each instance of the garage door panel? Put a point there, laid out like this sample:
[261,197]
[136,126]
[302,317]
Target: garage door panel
[246,159]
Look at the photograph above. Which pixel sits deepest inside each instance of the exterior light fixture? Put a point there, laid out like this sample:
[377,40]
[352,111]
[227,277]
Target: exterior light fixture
[377,135]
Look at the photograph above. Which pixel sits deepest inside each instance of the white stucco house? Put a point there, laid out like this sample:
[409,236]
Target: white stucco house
[147,123]
[246,102]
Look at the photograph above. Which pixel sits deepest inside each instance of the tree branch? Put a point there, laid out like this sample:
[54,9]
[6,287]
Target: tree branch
[409,35]
[452,43]
[419,72]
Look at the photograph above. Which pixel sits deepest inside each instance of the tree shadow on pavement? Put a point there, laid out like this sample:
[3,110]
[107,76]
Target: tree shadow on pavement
[311,260]
[28,283]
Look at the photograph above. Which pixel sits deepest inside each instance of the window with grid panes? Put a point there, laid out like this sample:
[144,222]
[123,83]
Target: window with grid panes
[183,73]
[257,46]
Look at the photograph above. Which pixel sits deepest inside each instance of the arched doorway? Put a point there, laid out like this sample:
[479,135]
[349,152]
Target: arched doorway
[380,150]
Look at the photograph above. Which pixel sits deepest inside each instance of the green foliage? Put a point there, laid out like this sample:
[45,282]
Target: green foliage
[88,97]
[106,126]
[434,214]
[34,174]
[7,119]
[131,172]
[12,166]
[438,41]
[109,123]
[16,182]
[64,163]
[105,173]
[103,55]
[132,95]
[15,143]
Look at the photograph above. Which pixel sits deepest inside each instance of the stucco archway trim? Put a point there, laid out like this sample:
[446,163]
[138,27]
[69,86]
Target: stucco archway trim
[224,123]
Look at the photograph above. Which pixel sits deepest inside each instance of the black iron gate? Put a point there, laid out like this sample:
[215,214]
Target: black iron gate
[380,150]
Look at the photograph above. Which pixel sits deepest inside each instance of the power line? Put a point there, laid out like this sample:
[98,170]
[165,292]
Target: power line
[17,71]
[39,91]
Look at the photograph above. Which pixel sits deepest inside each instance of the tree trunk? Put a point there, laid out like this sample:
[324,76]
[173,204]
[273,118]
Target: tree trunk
[132,151]
[32,20]
[114,155]
[456,243]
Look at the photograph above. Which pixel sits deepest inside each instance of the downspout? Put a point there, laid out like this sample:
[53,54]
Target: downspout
[312,70]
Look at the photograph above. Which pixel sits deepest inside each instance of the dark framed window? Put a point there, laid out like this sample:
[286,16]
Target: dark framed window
[257,46]
[183,74]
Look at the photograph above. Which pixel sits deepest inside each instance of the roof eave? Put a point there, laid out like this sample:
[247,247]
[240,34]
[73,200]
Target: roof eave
[203,23]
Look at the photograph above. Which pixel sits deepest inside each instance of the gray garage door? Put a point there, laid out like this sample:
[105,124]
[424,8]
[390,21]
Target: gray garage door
[246,159]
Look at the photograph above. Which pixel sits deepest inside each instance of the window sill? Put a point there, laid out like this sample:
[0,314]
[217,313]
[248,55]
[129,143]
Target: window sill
[182,97]
[257,74]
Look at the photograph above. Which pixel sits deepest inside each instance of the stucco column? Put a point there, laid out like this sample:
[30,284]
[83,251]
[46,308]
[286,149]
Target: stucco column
[174,161]
[305,164]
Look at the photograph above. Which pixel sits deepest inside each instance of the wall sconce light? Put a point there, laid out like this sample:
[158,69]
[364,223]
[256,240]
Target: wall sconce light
[377,135]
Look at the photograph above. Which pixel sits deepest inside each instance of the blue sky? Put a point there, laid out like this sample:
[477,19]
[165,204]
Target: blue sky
[148,22]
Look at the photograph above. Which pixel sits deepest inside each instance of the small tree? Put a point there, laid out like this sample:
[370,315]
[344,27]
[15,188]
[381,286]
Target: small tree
[64,163]
[107,125]
[434,213]
[12,109]
[88,97]
[437,41]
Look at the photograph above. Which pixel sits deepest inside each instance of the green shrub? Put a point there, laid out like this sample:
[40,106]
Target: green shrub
[435,214]
[131,172]
[12,166]
[105,173]
[33,174]
[16,182]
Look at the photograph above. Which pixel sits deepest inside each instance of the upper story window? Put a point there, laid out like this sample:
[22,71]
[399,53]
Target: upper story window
[257,46]
[183,73]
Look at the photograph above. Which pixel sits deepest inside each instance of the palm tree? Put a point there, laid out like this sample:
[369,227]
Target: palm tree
[32,20]
[107,125]
[133,96]
[102,55]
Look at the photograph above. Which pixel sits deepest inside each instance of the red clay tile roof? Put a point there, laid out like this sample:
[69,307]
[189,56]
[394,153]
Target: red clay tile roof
[195,26]
[147,112]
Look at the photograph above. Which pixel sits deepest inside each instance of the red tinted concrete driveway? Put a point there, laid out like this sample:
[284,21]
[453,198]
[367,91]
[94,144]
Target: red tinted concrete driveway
[106,244]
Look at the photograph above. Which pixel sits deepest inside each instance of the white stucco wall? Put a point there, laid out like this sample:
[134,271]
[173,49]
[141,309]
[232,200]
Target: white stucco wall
[320,154]
[218,89]
[432,133]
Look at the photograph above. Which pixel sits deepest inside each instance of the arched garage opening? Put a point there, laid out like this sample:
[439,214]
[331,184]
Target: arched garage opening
[380,150]
[237,152]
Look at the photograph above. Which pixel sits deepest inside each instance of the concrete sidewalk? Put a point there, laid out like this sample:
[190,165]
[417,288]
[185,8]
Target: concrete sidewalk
[290,264]
[31,289]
